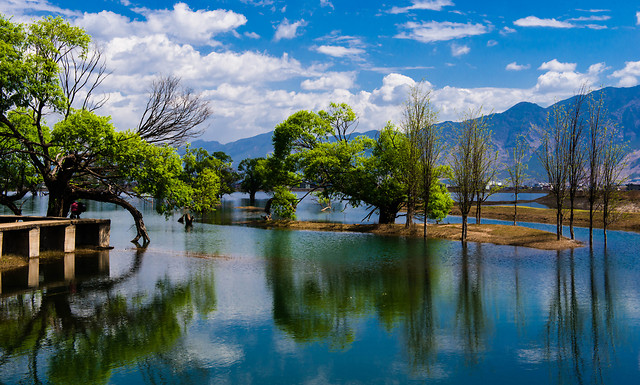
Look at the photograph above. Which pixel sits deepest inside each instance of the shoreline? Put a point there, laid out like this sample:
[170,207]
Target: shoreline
[484,233]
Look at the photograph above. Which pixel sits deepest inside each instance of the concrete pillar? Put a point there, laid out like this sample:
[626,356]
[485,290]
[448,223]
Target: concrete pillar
[69,266]
[104,233]
[34,243]
[34,272]
[69,238]
[103,262]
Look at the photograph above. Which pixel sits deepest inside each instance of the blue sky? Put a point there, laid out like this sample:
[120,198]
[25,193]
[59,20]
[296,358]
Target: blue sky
[258,61]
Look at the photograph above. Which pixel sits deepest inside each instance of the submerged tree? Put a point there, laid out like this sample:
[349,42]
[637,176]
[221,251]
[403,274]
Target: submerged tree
[252,172]
[594,153]
[575,151]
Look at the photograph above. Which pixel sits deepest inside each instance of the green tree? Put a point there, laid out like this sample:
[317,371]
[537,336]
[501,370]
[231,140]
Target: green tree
[252,172]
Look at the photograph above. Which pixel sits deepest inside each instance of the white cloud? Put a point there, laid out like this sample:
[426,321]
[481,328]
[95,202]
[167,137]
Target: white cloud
[326,3]
[432,5]
[288,30]
[517,67]
[628,76]
[339,51]
[459,50]
[330,81]
[252,35]
[532,21]
[431,31]
[591,18]
[507,31]
[556,66]
[492,43]
[21,8]
[638,18]
[181,23]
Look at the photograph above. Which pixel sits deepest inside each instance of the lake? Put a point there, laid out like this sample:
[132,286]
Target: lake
[224,304]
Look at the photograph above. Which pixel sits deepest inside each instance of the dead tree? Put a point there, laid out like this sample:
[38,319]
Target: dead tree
[172,113]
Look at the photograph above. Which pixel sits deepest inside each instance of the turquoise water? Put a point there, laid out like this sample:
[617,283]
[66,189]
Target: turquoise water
[232,304]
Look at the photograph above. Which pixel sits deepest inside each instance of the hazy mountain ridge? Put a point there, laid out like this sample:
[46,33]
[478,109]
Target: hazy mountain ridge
[622,106]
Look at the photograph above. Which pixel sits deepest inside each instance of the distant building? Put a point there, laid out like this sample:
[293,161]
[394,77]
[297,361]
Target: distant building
[633,186]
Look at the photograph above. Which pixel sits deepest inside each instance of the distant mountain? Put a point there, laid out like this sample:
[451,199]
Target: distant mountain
[622,106]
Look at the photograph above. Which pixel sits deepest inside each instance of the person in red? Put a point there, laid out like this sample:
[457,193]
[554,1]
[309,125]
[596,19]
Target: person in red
[76,209]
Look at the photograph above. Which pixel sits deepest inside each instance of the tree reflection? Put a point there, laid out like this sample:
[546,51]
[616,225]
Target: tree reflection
[580,337]
[82,336]
[470,308]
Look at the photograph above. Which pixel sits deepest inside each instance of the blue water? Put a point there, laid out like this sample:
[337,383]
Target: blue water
[231,304]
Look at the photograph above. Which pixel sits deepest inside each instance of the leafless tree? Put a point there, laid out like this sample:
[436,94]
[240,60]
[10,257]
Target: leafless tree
[613,155]
[552,154]
[172,113]
[484,160]
[575,151]
[594,153]
[423,147]
[81,74]
[462,168]
[517,171]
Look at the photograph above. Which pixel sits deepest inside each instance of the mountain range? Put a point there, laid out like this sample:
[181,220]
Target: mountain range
[622,107]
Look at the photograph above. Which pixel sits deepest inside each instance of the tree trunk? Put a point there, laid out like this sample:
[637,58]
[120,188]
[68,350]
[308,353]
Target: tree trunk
[252,198]
[427,197]
[478,211]
[591,223]
[559,224]
[515,208]
[387,216]
[410,212]
[464,228]
[572,197]
[102,196]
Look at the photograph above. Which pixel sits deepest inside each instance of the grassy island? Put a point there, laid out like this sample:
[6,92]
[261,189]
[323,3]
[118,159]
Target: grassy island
[497,234]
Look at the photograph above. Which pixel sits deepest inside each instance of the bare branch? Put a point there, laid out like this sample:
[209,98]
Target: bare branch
[172,113]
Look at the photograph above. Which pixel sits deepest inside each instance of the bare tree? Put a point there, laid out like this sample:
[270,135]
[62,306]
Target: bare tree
[423,147]
[552,154]
[613,155]
[575,151]
[594,153]
[81,74]
[517,171]
[484,160]
[172,113]
[461,161]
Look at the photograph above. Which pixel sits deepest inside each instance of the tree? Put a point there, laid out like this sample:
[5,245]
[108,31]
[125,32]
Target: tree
[575,151]
[517,171]
[484,160]
[252,177]
[552,154]
[462,176]
[473,164]
[422,150]
[440,202]
[82,156]
[613,155]
[594,153]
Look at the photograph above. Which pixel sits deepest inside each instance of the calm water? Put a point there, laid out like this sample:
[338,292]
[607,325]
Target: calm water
[230,304]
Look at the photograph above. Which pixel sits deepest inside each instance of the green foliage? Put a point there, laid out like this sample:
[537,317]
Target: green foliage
[253,175]
[440,202]
[284,203]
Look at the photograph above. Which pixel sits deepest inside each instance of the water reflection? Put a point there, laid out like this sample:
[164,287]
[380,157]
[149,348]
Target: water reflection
[79,332]
[229,304]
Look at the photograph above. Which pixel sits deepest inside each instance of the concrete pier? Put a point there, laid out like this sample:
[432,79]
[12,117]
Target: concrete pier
[29,236]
